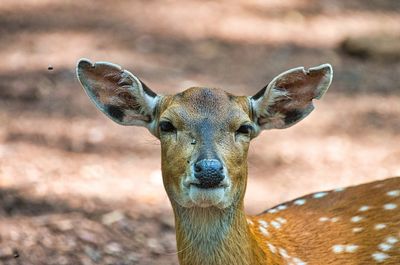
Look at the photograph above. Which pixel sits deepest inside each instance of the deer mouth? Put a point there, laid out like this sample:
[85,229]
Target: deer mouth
[193,182]
[205,186]
[207,196]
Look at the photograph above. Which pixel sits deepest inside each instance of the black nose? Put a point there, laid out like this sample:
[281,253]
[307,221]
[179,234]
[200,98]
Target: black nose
[209,172]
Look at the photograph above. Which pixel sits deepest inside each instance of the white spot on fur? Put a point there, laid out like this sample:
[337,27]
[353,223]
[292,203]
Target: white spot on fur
[298,261]
[272,211]
[326,219]
[299,202]
[281,220]
[393,193]
[323,219]
[263,231]
[364,208]
[391,240]
[263,223]
[319,195]
[250,222]
[390,206]
[339,189]
[282,207]
[384,246]
[276,224]
[338,248]
[335,219]
[379,226]
[356,219]
[351,248]
[271,247]
[357,229]
[379,256]
[283,253]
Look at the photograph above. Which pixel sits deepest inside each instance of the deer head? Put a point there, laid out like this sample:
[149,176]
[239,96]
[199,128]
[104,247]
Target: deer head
[204,132]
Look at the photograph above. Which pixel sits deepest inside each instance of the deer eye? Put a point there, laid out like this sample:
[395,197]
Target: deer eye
[244,129]
[166,126]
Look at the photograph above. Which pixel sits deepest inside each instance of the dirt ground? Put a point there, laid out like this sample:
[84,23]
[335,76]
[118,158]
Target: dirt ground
[75,188]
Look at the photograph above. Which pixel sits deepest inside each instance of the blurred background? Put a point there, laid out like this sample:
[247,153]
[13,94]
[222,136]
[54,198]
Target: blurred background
[76,188]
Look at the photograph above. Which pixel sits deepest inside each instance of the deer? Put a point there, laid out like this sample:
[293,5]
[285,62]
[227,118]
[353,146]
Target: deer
[205,134]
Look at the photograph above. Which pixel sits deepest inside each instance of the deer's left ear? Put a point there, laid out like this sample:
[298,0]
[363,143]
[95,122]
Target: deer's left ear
[118,93]
[287,99]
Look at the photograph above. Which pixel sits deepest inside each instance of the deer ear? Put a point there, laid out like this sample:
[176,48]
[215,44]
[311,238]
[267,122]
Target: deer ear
[118,93]
[287,99]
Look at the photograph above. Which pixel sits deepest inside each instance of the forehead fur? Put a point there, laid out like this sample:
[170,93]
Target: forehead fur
[212,104]
[205,100]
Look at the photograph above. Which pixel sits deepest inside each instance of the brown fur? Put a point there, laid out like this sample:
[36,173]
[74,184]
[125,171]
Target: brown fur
[310,239]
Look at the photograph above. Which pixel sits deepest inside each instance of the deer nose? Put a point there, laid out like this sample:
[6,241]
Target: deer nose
[209,173]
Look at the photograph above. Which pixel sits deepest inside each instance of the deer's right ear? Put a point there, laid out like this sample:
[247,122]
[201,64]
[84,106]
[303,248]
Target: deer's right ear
[118,93]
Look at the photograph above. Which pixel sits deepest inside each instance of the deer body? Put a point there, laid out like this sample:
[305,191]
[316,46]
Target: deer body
[330,230]
[205,134]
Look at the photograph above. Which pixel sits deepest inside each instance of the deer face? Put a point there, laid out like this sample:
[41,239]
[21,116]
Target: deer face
[204,133]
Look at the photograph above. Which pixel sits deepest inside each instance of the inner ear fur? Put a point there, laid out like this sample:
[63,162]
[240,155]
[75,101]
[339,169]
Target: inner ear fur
[288,98]
[118,93]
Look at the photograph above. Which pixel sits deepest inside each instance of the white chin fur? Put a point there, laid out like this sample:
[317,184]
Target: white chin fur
[206,197]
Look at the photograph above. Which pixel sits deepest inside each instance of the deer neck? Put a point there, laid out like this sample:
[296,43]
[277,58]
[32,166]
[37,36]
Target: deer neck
[214,236]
